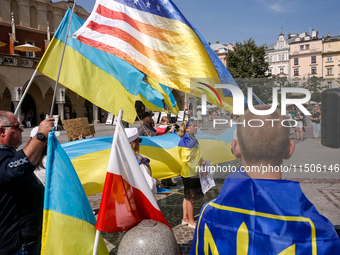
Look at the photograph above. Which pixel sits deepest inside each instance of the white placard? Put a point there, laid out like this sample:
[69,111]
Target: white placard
[109,119]
[180,116]
[206,178]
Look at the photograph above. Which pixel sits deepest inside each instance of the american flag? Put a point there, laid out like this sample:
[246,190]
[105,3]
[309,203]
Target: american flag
[156,38]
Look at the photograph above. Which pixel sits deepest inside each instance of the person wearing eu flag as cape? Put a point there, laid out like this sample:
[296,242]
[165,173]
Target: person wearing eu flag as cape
[256,212]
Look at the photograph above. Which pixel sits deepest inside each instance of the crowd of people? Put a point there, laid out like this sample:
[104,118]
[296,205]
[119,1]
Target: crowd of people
[21,192]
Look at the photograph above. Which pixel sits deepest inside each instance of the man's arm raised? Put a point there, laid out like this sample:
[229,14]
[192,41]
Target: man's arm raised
[35,147]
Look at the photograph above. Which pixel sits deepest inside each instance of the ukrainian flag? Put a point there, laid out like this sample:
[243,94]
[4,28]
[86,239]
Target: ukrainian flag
[68,223]
[263,217]
[151,98]
[104,79]
[90,157]
[166,93]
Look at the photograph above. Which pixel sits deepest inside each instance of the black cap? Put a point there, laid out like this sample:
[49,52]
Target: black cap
[147,114]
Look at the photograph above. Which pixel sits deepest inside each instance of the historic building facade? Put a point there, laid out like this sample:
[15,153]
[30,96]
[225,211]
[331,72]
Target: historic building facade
[305,57]
[34,22]
[278,57]
[331,61]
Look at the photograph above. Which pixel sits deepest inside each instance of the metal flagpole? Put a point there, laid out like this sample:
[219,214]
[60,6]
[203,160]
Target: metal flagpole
[25,92]
[96,242]
[61,60]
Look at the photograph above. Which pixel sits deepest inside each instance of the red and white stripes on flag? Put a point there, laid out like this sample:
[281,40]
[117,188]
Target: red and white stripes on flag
[153,36]
[126,199]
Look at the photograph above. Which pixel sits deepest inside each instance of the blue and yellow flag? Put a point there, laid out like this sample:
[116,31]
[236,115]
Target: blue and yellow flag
[151,98]
[90,157]
[166,93]
[104,79]
[263,217]
[68,223]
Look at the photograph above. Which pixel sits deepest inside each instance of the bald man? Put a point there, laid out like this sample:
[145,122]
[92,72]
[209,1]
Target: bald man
[256,212]
[21,193]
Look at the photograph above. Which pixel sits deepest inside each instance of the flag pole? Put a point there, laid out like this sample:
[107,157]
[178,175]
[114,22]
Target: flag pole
[25,92]
[96,240]
[61,60]
[143,125]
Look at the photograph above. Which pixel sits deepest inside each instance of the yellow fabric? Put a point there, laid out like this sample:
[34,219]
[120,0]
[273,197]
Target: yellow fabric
[85,81]
[191,160]
[69,236]
[154,84]
[91,168]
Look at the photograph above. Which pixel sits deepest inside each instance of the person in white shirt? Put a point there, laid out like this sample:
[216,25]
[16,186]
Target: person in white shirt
[199,118]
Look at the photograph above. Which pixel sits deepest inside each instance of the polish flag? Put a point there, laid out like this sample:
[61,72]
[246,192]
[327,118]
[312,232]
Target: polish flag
[127,198]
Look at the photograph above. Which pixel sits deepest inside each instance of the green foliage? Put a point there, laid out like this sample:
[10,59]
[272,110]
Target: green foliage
[315,87]
[247,60]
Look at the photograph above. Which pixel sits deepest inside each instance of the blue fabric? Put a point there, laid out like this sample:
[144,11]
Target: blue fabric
[63,191]
[188,141]
[276,213]
[151,95]
[146,160]
[117,66]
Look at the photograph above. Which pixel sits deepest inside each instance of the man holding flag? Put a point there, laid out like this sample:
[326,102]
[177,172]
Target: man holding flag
[21,193]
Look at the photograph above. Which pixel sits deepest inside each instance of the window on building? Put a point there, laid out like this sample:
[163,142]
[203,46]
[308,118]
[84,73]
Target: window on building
[30,54]
[314,70]
[15,10]
[313,59]
[302,47]
[329,71]
[329,58]
[271,59]
[329,85]
[296,61]
[296,71]
[282,70]
[270,71]
[50,20]
[307,46]
[280,57]
[33,17]
[283,57]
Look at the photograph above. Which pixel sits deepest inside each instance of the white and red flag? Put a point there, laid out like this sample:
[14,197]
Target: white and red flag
[127,198]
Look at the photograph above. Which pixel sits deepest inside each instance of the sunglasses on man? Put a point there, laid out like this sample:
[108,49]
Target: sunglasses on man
[14,127]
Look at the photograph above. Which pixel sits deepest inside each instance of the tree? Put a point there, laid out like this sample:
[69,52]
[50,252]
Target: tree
[247,60]
[247,64]
[315,87]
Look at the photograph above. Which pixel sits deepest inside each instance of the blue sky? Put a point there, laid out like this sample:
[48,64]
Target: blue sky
[231,21]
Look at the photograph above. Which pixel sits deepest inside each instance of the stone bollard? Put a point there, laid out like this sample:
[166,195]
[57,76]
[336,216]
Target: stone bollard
[148,237]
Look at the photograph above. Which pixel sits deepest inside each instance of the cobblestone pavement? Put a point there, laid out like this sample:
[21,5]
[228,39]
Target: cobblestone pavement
[171,207]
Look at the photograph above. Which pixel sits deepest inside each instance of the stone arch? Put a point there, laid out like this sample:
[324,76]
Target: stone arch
[4,83]
[5,101]
[44,83]
[178,98]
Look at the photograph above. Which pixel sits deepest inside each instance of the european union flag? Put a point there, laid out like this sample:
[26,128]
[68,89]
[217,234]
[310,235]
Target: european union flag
[263,217]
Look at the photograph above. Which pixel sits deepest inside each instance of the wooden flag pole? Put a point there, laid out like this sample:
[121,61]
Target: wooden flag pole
[61,60]
[143,125]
